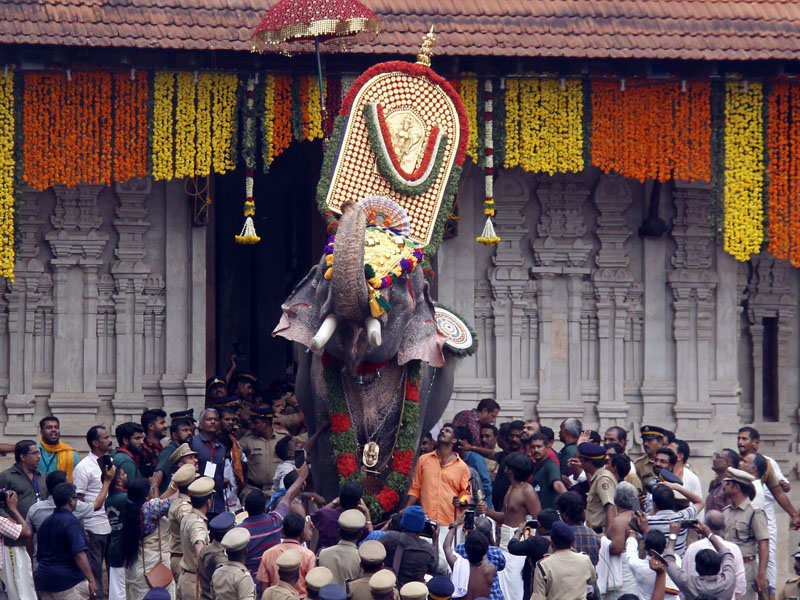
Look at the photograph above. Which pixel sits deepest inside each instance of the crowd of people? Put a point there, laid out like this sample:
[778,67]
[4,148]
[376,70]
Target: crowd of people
[226,510]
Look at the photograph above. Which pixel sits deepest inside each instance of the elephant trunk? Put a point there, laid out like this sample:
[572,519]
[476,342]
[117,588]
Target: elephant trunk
[348,286]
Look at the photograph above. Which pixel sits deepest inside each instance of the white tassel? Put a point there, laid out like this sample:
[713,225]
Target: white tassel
[488,236]
[248,234]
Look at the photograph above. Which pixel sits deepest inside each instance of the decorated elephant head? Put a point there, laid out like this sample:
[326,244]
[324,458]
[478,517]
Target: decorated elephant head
[378,353]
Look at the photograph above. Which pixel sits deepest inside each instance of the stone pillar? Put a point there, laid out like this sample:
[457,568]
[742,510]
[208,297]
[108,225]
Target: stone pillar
[693,281]
[195,382]
[130,270]
[561,265]
[76,243]
[612,284]
[511,292]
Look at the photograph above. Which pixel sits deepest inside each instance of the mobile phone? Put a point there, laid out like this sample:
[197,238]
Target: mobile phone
[469,520]
[299,458]
[688,524]
[657,555]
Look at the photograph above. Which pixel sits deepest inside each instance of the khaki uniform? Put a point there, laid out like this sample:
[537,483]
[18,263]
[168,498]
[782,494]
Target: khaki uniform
[746,526]
[211,557]
[261,462]
[180,506]
[644,469]
[601,492]
[232,581]
[342,560]
[791,589]
[634,480]
[359,589]
[194,528]
[281,591]
[564,575]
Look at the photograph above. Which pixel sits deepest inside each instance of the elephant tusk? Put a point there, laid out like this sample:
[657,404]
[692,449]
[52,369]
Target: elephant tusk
[324,333]
[374,331]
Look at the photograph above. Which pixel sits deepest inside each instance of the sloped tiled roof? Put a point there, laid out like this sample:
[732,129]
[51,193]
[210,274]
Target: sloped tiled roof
[658,29]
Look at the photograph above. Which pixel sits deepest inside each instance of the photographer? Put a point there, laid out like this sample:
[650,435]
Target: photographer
[533,546]
[407,554]
[494,555]
[92,478]
[670,500]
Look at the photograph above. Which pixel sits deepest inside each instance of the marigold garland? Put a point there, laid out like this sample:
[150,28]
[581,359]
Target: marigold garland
[282,115]
[268,123]
[488,236]
[744,169]
[204,84]
[163,125]
[468,89]
[314,109]
[512,124]
[248,233]
[130,125]
[782,190]
[223,135]
[185,125]
[7,167]
[654,131]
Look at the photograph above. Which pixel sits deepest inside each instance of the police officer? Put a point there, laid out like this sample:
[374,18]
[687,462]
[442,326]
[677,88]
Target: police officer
[372,554]
[332,591]
[414,590]
[213,555]
[383,586]
[232,580]
[600,498]
[178,508]
[440,588]
[791,589]
[342,559]
[746,526]
[258,444]
[289,572]
[653,438]
[194,536]
[316,579]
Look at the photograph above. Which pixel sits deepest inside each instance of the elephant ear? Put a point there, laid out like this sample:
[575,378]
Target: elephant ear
[421,340]
[300,311]
[459,337]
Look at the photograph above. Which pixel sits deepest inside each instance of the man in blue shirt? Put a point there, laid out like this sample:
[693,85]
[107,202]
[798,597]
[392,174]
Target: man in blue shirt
[211,454]
[475,462]
[62,563]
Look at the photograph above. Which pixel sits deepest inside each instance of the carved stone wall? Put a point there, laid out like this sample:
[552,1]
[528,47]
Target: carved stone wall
[577,315]
[83,327]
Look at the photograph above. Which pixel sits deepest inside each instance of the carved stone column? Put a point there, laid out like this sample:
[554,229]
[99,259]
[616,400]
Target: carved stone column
[612,283]
[561,264]
[76,243]
[19,402]
[512,292]
[693,282]
[129,270]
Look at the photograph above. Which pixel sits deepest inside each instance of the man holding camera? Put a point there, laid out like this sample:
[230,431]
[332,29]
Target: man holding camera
[407,554]
[92,477]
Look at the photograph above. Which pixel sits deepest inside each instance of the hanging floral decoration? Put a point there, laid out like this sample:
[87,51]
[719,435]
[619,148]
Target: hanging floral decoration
[345,445]
[488,236]
[7,173]
[511,124]
[248,234]
[550,125]
[96,119]
[194,124]
[744,169]
[468,89]
[783,142]
[656,131]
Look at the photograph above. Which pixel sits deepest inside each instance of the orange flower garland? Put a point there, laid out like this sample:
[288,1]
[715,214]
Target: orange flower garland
[783,135]
[652,130]
[282,128]
[130,125]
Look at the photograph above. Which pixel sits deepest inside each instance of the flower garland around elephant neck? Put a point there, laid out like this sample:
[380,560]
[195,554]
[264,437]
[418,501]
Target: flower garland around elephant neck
[388,255]
[345,443]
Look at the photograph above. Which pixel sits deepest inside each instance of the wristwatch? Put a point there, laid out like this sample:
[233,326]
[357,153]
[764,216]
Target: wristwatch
[673,536]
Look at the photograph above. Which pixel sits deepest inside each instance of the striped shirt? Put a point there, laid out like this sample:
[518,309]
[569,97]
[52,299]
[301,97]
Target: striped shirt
[265,532]
[660,522]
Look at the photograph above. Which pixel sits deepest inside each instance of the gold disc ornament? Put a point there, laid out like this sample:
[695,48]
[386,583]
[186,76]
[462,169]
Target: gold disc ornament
[371,454]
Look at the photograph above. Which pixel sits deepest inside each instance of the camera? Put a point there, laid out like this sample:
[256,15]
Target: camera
[469,519]
[106,462]
[4,494]
[651,485]
[429,528]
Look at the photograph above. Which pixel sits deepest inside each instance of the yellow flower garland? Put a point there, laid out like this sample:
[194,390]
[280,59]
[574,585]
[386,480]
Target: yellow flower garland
[205,82]
[185,126]
[226,87]
[163,93]
[469,94]
[512,123]
[744,169]
[314,109]
[7,175]
[550,126]
[269,119]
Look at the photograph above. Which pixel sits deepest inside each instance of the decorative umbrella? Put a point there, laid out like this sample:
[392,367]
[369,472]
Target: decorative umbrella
[318,20]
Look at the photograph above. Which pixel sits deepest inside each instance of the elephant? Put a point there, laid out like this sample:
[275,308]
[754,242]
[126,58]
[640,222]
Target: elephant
[331,323]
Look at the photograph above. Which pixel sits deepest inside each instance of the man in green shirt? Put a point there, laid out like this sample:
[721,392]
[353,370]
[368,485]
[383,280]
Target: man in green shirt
[546,475]
[115,507]
[180,432]
[569,434]
[130,437]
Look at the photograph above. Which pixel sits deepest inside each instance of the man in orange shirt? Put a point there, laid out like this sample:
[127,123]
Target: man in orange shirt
[294,527]
[439,477]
